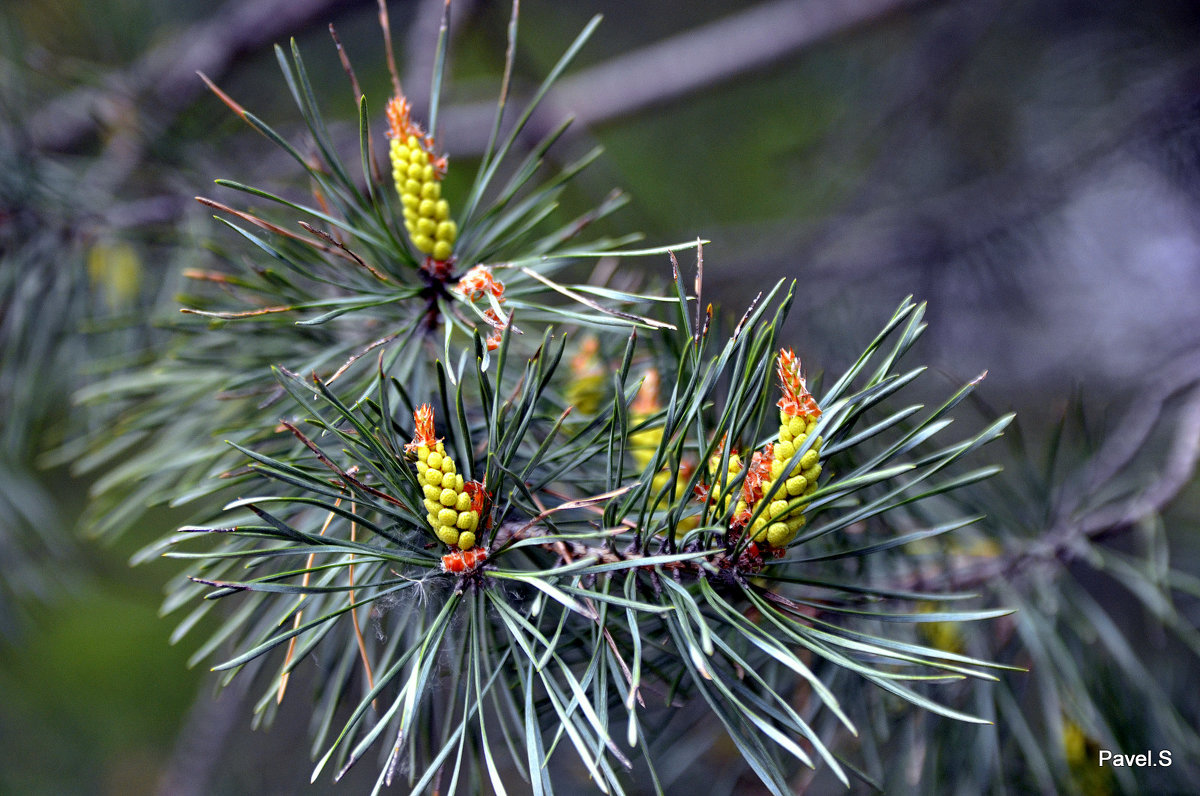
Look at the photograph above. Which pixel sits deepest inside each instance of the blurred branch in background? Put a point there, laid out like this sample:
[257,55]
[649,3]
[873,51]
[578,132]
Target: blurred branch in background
[873,237]
[1101,501]
[686,63]
[201,743]
[164,79]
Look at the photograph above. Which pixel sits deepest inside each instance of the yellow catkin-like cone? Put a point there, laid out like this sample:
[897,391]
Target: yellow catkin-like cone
[1081,752]
[453,510]
[946,636]
[586,390]
[418,175]
[780,521]
[643,444]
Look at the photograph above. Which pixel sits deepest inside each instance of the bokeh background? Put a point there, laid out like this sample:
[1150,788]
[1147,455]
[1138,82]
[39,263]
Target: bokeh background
[1031,169]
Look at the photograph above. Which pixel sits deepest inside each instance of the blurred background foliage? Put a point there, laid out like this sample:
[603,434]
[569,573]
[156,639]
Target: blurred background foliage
[1031,169]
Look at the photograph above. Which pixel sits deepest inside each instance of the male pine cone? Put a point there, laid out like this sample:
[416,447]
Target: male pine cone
[453,511]
[780,520]
[418,175]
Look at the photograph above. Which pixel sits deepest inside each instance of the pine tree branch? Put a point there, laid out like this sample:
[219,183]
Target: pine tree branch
[871,239]
[1066,540]
[684,64]
[164,78]
[711,54]
[1119,450]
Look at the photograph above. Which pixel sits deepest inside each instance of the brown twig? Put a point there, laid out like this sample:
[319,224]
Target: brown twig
[358,634]
[287,659]
[376,175]
[336,249]
[347,67]
[358,355]
[342,247]
[385,25]
[346,476]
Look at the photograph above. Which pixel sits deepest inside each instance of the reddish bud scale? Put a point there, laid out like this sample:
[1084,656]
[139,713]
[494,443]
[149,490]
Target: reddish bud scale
[715,483]
[498,326]
[478,283]
[752,486]
[461,561]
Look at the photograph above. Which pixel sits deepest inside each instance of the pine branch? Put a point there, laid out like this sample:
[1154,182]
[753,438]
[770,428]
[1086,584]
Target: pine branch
[165,77]
[706,56]
[674,508]
[1066,540]
[689,62]
[972,216]
[685,64]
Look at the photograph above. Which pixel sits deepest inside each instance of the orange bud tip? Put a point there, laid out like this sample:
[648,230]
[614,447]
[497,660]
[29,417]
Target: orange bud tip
[646,401]
[759,471]
[401,126]
[797,401]
[479,282]
[424,434]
